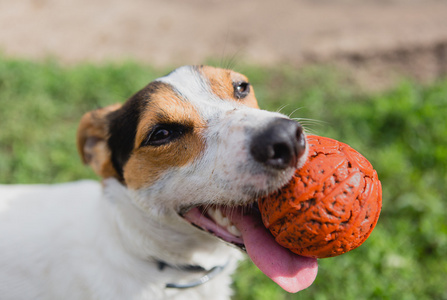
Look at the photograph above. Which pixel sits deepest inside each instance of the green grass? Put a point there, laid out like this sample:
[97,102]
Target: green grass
[403,132]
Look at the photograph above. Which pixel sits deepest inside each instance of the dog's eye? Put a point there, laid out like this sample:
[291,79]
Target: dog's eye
[163,134]
[241,89]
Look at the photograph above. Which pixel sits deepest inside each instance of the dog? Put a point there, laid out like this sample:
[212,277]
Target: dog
[182,163]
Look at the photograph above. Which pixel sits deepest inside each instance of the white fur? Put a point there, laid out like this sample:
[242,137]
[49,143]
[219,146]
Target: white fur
[73,241]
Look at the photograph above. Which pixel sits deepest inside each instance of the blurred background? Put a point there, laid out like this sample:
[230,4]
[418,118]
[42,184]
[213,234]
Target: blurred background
[369,73]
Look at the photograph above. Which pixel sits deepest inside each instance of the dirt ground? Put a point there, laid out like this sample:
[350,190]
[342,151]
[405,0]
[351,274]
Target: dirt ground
[377,39]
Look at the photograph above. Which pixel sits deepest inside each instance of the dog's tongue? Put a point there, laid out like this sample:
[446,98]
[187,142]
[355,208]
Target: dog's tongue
[290,271]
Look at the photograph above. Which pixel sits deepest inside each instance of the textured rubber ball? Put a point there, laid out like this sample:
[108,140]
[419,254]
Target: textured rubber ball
[330,206]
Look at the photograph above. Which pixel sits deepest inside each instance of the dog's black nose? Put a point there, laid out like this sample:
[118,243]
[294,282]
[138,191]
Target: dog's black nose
[280,144]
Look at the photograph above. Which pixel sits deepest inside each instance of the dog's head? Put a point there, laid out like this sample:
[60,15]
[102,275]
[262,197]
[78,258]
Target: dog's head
[195,143]
[191,137]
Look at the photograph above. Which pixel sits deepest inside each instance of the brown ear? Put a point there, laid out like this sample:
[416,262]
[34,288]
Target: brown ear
[92,141]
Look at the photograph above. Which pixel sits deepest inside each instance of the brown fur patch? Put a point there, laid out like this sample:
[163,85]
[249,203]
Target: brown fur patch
[92,141]
[148,163]
[221,83]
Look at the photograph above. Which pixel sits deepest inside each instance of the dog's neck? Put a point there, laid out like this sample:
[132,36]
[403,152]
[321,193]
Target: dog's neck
[160,236]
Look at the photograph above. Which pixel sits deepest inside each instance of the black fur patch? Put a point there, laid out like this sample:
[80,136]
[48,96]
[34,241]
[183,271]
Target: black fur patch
[123,125]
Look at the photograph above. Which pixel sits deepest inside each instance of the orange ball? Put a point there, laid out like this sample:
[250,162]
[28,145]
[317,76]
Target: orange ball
[330,206]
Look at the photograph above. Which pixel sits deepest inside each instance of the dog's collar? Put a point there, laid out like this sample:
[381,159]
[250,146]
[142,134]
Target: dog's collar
[210,274]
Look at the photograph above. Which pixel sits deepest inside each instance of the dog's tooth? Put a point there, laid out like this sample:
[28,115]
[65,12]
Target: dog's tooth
[218,216]
[211,211]
[224,222]
[233,230]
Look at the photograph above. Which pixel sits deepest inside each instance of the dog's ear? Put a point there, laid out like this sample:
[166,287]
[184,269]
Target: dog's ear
[93,132]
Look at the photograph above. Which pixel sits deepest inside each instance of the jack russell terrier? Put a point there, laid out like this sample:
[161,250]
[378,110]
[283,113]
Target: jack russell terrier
[182,162]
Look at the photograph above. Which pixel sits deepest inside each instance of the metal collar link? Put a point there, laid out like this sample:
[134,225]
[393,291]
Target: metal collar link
[213,272]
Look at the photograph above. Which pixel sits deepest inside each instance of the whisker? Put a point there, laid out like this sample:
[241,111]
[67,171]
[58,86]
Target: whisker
[309,131]
[230,61]
[281,108]
[224,50]
[309,121]
[294,111]
[206,207]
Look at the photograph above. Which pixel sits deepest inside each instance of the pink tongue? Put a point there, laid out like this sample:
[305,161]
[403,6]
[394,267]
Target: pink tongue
[290,271]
